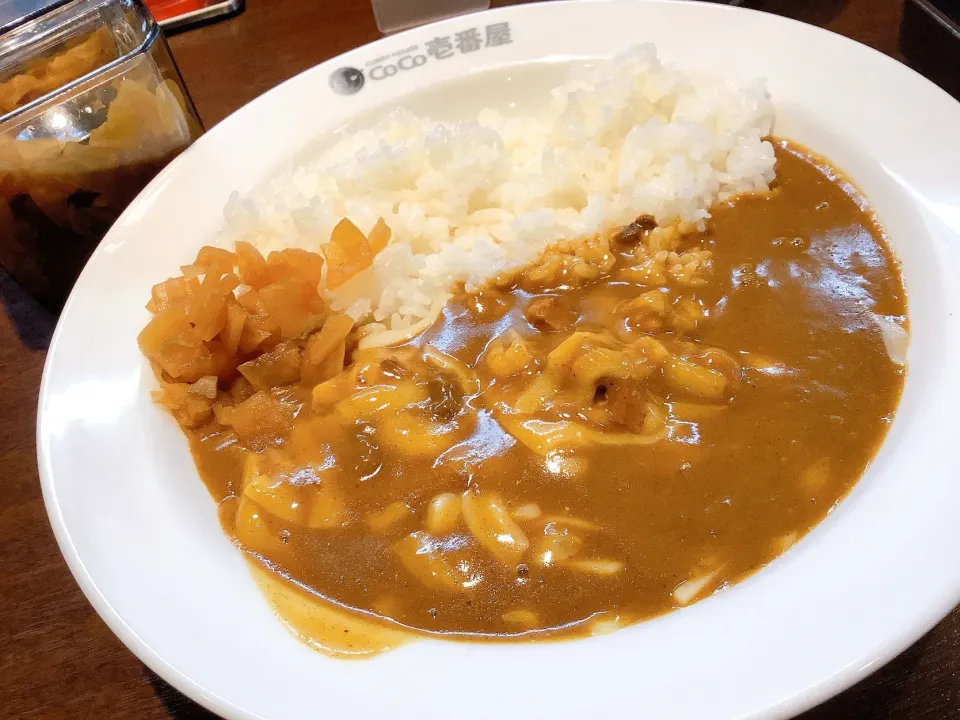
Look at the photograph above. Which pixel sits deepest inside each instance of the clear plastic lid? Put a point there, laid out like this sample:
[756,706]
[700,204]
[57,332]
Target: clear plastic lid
[92,107]
[101,34]
[14,13]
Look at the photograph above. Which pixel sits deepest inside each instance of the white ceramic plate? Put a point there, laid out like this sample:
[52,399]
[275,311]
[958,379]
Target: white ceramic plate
[140,532]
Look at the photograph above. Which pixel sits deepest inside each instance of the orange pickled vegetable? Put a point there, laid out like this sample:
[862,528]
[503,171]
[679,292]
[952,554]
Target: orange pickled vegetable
[251,265]
[208,311]
[223,358]
[259,329]
[43,75]
[260,420]
[241,389]
[348,252]
[165,329]
[190,409]
[169,340]
[173,290]
[259,333]
[250,301]
[324,355]
[328,366]
[213,258]
[295,305]
[379,236]
[205,387]
[191,272]
[280,366]
[306,264]
[231,334]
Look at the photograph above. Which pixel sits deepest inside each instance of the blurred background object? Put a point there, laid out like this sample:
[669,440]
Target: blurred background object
[92,107]
[394,15]
[181,14]
[930,39]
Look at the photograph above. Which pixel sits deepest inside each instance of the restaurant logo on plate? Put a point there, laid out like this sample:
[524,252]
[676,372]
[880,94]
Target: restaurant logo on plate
[346,80]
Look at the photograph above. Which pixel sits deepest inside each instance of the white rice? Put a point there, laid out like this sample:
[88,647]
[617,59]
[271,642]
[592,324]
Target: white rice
[468,200]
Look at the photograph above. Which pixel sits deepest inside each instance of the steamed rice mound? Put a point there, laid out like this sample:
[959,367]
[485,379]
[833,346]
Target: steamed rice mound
[470,200]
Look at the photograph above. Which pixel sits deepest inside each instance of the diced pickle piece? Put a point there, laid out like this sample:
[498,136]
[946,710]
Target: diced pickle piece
[294,304]
[213,259]
[169,340]
[241,389]
[208,311]
[192,272]
[169,324]
[188,408]
[258,333]
[231,334]
[260,420]
[324,354]
[379,236]
[205,387]
[296,261]
[250,301]
[251,265]
[171,291]
[280,366]
[347,253]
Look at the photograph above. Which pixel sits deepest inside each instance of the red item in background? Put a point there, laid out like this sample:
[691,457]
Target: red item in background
[175,13]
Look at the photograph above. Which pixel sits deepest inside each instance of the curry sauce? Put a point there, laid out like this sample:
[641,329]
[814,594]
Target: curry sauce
[627,426]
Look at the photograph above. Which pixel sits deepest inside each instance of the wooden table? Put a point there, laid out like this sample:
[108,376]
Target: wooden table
[57,659]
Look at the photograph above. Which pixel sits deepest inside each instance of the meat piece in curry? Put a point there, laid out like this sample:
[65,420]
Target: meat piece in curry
[634,422]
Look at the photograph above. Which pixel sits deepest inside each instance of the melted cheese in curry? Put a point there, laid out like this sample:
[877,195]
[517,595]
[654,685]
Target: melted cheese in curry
[626,427]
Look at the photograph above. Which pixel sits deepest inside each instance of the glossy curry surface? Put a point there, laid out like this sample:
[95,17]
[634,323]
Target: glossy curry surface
[618,431]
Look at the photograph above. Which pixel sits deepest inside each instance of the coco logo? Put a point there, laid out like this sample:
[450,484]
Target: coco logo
[346,81]
[407,62]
